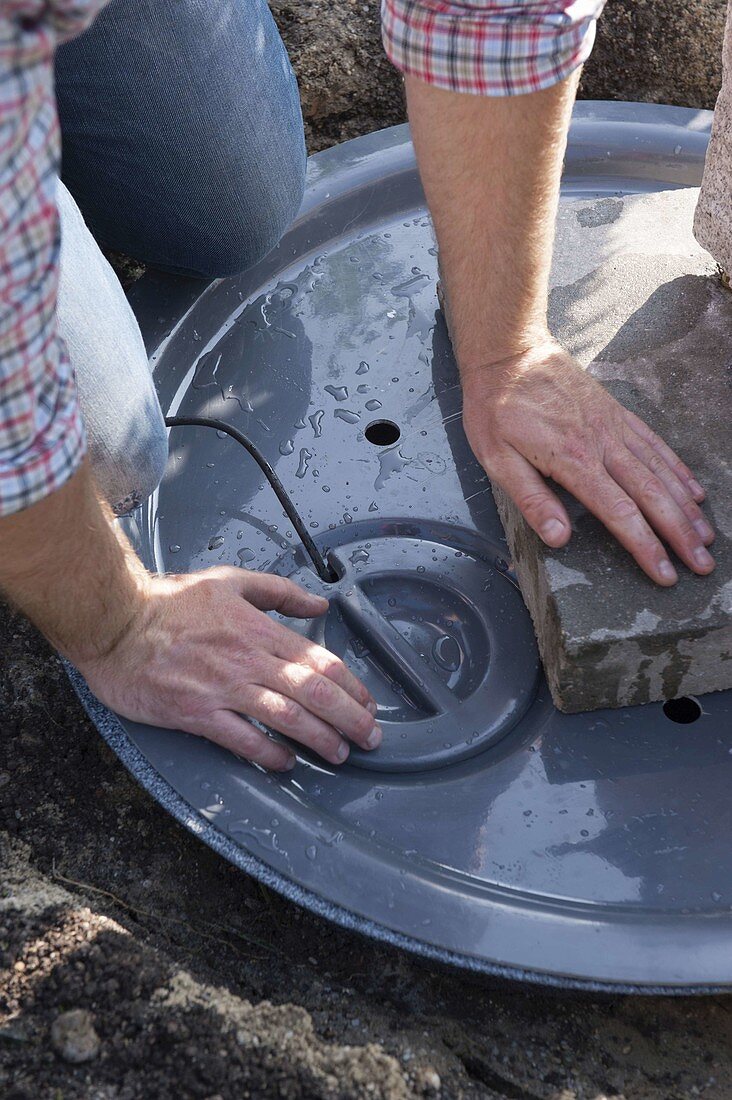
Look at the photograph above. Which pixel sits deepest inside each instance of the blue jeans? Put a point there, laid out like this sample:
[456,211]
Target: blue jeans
[182,146]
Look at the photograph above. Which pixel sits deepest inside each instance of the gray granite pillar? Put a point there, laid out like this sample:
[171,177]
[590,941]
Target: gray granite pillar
[713,218]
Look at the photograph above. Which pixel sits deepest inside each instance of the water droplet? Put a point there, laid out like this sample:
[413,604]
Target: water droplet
[305,456]
[245,555]
[206,374]
[347,415]
[287,447]
[174,548]
[316,421]
[311,852]
[409,286]
[359,556]
[362,367]
[373,405]
[347,518]
[391,462]
[373,506]
[447,653]
[299,423]
[340,393]
[216,542]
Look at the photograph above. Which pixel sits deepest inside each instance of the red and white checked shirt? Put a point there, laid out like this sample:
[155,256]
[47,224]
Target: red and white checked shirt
[484,47]
[489,47]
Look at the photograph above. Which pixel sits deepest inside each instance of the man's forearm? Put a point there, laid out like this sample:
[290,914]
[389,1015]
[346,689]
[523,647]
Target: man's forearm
[193,652]
[490,169]
[63,564]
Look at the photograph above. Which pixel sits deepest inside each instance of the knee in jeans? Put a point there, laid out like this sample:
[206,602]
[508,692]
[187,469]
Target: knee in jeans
[137,475]
[249,225]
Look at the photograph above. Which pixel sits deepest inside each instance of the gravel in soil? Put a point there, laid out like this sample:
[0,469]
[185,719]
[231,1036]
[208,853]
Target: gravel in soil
[184,978]
[135,963]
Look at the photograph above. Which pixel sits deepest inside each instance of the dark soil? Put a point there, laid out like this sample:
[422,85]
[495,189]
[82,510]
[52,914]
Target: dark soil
[658,51]
[203,984]
[200,983]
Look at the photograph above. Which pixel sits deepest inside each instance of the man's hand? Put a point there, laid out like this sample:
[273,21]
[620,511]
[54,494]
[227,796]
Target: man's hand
[490,169]
[540,414]
[193,652]
[200,653]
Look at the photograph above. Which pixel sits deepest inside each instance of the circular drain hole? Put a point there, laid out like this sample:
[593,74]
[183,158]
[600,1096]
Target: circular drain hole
[382,432]
[684,710]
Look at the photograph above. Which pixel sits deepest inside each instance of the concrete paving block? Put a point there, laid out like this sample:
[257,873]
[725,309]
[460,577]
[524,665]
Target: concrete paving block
[640,305]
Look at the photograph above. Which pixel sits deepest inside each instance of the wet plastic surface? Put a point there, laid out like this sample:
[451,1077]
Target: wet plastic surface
[489,830]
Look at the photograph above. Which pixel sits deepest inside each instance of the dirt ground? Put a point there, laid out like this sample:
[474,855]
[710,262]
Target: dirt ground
[660,51]
[185,978]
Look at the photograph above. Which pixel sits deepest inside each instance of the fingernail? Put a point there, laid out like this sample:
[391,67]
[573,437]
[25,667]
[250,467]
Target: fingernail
[374,738]
[667,572]
[341,752]
[703,529]
[552,530]
[371,707]
[695,487]
[290,764]
[703,558]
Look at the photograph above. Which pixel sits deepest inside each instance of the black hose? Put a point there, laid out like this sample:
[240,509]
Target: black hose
[322,568]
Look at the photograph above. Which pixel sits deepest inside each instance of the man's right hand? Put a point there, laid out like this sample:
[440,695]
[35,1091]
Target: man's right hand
[201,652]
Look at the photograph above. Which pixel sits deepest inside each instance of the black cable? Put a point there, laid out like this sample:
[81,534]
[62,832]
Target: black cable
[322,568]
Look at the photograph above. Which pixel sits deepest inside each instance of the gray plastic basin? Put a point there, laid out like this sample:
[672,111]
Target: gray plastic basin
[490,831]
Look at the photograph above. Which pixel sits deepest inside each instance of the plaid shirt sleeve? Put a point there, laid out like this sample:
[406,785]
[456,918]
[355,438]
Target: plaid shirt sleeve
[41,434]
[489,47]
